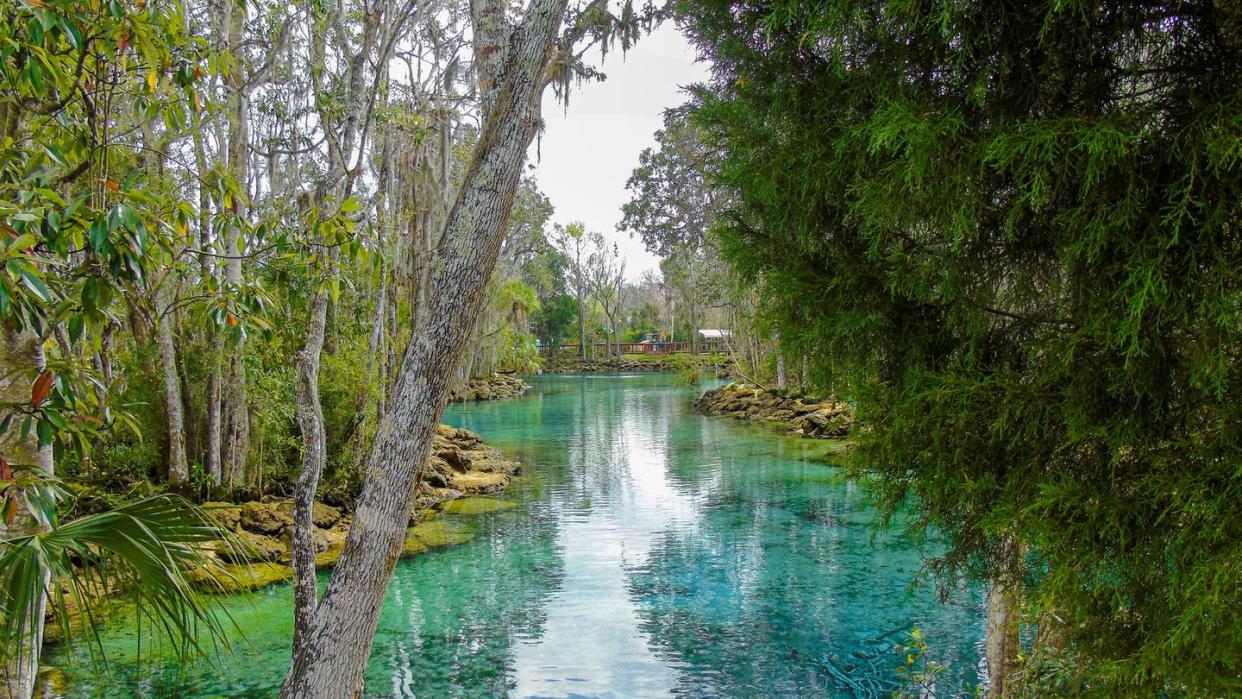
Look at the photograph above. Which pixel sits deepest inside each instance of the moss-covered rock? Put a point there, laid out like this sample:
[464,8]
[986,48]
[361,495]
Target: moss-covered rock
[480,483]
[470,506]
[439,533]
[230,579]
[226,514]
[802,416]
[322,515]
[412,546]
[492,387]
[329,556]
[264,518]
[252,548]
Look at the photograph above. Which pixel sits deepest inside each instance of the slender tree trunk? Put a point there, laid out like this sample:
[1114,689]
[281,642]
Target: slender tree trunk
[18,352]
[1002,632]
[206,270]
[236,428]
[314,453]
[178,464]
[582,346]
[214,412]
[332,661]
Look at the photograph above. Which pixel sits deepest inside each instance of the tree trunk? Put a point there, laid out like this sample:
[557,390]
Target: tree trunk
[333,659]
[314,453]
[178,464]
[237,415]
[214,411]
[782,381]
[582,348]
[1002,640]
[206,270]
[17,353]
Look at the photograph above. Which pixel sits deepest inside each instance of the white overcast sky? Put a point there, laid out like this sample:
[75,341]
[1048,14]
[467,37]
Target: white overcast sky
[586,154]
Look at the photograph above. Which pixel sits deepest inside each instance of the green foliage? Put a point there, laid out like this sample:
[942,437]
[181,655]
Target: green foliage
[1008,234]
[556,321]
[143,550]
[689,369]
[917,672]
[671,205]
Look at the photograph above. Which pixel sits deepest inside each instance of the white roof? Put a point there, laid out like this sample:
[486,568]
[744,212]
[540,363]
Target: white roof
[715,333]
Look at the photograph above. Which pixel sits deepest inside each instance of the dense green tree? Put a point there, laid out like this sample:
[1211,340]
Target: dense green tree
[89,93]
[673,207]
[1009,234]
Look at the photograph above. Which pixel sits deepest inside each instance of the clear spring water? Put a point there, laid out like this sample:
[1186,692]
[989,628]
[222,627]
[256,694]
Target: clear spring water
[650,552]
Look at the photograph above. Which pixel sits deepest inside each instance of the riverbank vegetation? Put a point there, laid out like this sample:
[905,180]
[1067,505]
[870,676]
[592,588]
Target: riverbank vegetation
[1007,235]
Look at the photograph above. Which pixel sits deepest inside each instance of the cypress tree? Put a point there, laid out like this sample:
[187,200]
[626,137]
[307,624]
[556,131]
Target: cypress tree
[1008,233]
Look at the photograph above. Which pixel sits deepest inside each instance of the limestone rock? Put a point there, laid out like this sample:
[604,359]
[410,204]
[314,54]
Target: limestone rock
[492,387]
[252,548]
[229,579]
[802,416]
[226,514]
[264,518]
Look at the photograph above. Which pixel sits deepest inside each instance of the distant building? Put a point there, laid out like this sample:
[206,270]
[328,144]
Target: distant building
[714,339]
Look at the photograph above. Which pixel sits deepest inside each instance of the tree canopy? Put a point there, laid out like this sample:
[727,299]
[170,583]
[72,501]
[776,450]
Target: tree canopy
[1008,234]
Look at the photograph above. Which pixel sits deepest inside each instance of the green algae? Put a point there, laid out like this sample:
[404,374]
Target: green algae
[471,506]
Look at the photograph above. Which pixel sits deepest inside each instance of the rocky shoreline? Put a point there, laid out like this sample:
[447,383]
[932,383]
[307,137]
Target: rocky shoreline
[801,416]
[492,387]
[460,468]
[460,465]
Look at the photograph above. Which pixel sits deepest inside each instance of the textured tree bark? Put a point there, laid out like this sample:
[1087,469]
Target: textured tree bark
[236,427]
[314,452]
[178,464]
[1002,640]
[18,352]
[214,412]
[332,661]
[206,270]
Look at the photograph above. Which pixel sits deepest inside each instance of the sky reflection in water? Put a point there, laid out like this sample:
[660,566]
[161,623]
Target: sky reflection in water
[653,552]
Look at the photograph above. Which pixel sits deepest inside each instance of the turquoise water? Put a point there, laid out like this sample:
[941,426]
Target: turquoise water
[650,552]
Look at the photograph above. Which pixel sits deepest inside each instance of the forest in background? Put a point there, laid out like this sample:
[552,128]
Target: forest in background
[218,180]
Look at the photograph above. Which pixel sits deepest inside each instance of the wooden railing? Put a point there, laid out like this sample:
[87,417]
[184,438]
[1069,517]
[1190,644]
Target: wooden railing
[603,349]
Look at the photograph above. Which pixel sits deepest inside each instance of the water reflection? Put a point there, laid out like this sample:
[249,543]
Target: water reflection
[653,552]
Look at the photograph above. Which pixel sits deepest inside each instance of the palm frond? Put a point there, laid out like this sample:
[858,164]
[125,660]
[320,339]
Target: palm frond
[144,551]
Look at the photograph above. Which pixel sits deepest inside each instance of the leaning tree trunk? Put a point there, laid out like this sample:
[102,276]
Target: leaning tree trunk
[332,661]
[18,354]
[310,420]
